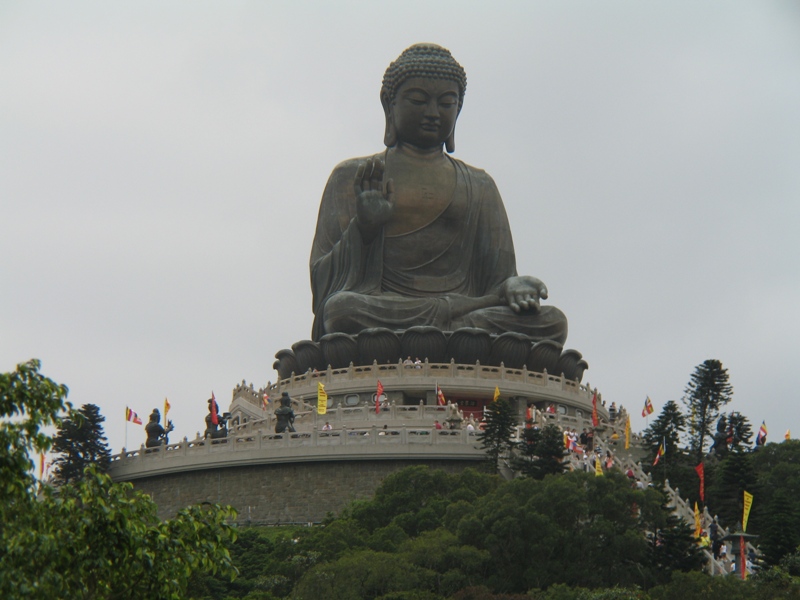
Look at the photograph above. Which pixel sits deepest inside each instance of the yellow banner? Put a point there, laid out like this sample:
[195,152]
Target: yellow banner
[496,394]
[698,526]
[598,468]
[748,503]
[322,399]
[628,433]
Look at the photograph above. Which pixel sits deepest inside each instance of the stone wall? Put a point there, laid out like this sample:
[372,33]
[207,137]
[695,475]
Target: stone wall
[279,493]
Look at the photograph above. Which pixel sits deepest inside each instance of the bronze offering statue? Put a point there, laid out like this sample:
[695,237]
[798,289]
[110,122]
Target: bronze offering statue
[284,415]
[411,236]
[219,429]
[156,434]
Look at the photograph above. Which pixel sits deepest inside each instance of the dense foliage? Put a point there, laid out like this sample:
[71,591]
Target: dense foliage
[427,534]
[90,538]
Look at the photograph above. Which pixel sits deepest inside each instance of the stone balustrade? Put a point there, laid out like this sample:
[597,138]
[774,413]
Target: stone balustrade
[462,380]
[476,374]
[264,447]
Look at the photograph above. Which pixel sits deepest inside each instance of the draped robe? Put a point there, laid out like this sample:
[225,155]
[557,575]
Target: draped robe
[419,277]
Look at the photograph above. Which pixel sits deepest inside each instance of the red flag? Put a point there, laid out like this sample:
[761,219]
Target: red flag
[529,417]
[440,396]
[214,416]
[378,395]
[702,475]
[595,420]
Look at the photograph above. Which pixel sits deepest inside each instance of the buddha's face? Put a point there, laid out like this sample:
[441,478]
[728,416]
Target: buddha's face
[425,111]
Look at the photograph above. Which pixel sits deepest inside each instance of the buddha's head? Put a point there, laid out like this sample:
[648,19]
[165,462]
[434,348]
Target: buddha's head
[422,94]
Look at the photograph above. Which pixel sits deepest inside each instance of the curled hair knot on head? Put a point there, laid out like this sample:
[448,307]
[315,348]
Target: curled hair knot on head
[430,61]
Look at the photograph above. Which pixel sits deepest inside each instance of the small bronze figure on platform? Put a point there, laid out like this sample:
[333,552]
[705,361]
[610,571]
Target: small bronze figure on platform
[219,429]
[284,415]
[156,434]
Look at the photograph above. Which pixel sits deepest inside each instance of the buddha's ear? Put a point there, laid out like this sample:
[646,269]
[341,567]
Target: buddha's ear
[390,133]
[450,142]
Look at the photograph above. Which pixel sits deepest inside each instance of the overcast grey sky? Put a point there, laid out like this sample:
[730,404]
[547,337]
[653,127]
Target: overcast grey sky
[161,165]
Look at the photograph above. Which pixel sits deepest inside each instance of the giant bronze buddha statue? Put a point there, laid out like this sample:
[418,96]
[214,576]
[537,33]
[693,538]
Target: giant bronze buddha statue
[412,236]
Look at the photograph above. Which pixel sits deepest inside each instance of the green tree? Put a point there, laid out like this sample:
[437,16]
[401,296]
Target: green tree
[29,402]
[706,393]
[676,465]
[778,524]
[675,547]
[667,429]
[725,496]
[574,527]
[740,432]
[365,574]
[496,437]
[91,538]
[540,453]
[80,441]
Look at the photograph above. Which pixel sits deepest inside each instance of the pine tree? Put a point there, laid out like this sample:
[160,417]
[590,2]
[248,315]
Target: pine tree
[496,436]
[676,548]
[733,476]
[666,429]
[541,452]
[707,392]
[780,534]
[80,441]
[741,433]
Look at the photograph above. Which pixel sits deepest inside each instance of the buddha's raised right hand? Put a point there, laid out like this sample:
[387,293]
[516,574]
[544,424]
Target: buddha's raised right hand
[374,202]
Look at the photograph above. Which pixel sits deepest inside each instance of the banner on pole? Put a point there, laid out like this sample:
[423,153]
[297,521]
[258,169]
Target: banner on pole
[701,473]
[748,504]
[322,399]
